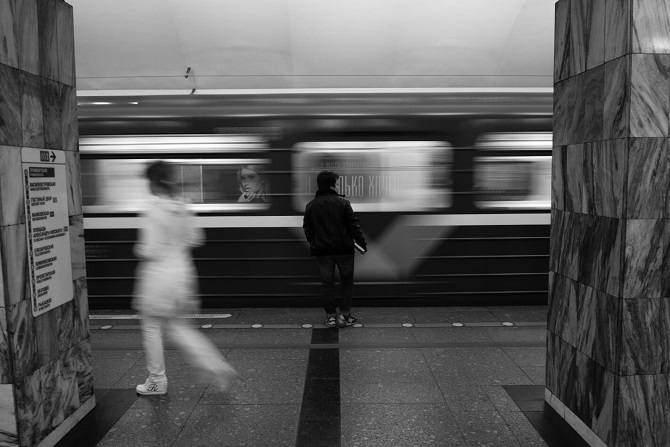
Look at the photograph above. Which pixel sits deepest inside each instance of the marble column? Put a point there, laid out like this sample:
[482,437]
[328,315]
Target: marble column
[46,383]
[608,340]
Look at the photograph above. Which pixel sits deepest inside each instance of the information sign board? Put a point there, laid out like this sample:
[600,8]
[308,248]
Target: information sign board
[47,228]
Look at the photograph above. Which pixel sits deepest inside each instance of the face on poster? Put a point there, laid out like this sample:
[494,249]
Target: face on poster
[47,228]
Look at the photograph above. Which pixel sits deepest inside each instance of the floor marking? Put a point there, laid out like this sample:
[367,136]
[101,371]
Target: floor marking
[139,317]
[346,345]
[357,325]
[319,422]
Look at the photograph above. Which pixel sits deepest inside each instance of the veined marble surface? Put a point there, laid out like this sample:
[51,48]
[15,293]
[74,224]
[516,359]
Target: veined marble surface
[585,387]
[11,187]
[46,337]
[650,95]
[587,34]
[81,313]
[28,40]
[576,180]
[10,107]
[8,428]
[608,164]
[79,359]
[31,110]
[557,174]
[647,242]
[44,399]
[651,26]
[52,107]
[585,318]
[21,328]
[617,29]
[65,26]
[594,103]
[70,125]
[561,112]
[648,398]
[561,41]
[645,341]
[15,248]
[77,249]
[74,183]
[569,111]
[578,32]
[66,327]
[587,249]
[598,328]
[562,318]
[589,178]
[648,178]
[616,100]
[6,375]
[48,39]
[9,52]
[592,14]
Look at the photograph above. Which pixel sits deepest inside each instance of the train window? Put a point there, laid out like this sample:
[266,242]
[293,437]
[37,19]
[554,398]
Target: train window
[210,185]
[378,175]
[112,171]
[513,171]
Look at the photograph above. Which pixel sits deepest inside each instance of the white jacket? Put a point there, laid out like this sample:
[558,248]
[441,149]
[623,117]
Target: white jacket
[166,282]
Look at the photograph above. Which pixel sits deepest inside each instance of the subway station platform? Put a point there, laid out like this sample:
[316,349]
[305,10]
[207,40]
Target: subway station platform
[446,376]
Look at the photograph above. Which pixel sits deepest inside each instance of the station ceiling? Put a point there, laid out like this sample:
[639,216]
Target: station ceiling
[149,45]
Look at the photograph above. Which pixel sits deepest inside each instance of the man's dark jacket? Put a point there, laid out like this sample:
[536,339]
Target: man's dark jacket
[331,226]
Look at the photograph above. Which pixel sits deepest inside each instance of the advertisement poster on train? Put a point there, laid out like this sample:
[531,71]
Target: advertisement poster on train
[376,176]
[47,228]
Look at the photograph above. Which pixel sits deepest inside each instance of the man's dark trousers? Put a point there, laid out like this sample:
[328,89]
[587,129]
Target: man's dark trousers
[345,265]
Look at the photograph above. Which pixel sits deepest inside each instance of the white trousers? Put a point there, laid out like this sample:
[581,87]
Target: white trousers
[199,350]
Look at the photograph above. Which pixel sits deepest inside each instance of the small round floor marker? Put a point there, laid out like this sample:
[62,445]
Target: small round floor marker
[458,324]
[226,315]
[507,323]
[206,326]
[106,327]
[407,325]
[256,326]
[357,325]
[307,325]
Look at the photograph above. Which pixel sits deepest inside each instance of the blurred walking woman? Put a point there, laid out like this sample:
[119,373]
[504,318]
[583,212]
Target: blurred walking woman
[166,284]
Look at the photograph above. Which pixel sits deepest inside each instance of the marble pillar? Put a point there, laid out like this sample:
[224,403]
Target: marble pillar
[608,340]
[46,383]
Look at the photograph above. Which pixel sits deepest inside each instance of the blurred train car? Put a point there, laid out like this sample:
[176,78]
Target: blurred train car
[452,189]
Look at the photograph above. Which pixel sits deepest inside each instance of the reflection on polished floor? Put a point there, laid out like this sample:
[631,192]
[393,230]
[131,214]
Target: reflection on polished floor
[446,376]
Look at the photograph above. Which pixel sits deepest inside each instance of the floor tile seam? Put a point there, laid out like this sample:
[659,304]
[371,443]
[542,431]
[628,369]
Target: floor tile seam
[389,345]
[517,365]
[307,325]
[432,374]
[474,436]
[250,404]
[514,432]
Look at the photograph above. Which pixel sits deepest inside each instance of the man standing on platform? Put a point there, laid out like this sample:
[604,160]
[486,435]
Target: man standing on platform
[331,228]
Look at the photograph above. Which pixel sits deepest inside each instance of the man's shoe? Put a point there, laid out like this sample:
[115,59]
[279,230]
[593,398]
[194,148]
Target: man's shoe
[348,320]
[331,321]
[341,321]
[150,388]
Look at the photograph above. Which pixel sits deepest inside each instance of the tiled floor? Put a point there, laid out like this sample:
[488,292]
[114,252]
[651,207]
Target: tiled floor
[382,384]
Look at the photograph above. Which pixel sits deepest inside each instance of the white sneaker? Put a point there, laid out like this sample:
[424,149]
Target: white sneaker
[151,388]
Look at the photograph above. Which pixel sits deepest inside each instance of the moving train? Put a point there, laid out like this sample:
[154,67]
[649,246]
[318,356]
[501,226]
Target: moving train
[451,187]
